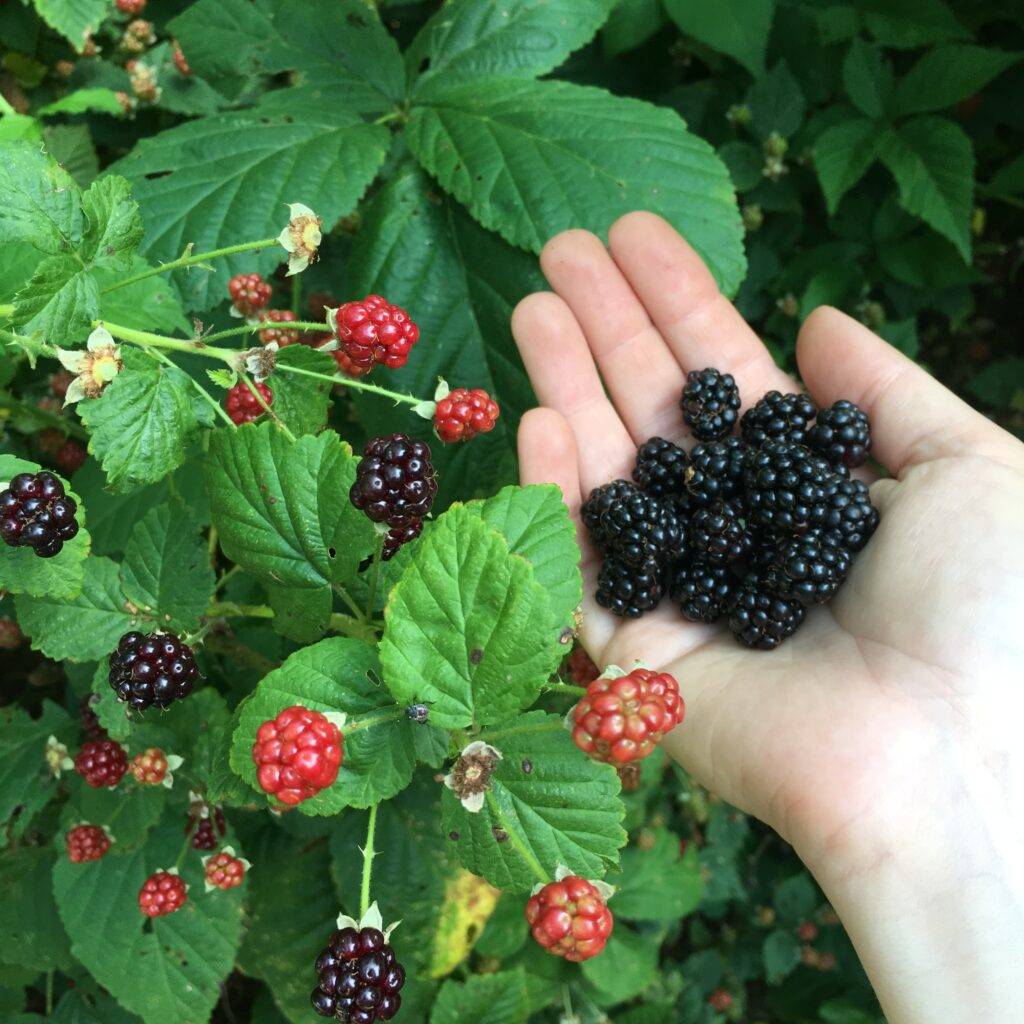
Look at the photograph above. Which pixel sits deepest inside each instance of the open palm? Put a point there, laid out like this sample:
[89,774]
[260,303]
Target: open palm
[910,665]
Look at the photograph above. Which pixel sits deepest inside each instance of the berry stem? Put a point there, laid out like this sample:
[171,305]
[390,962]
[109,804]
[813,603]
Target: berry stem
[160,357]
[228,609]
[348,626]
[516,840]
[266,408]
[185,845]
[190,260]
[296,294]
[297,325]
[576,691]
[145,339]
[362,724]
[368,855]
[347,598]
[358,385]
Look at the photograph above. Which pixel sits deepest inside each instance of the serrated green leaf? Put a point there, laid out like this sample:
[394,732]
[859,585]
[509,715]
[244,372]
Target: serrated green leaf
[528,38]
[281,508]
[81,101]
[113,225]
[151,304]
[499,998]
[627,965]
[60,300]
[113,716]
[739,28]
[140,424]
[223,378]
[129,811]
[33,934]
[948,74]
[631,23]
[932,160]
[842,156]
[301,402]
[745,163]
[506,930]
[71,146]
[83,628]
[41,201]
[776,103]
[186,954]
[78,1006]
[868,78]
[166,571]
[907,24]
[496,145]
[795,899]
[337,674]
[76,20]
[781,953]
[556,805]
[467,627]
[657,884]
[300,614]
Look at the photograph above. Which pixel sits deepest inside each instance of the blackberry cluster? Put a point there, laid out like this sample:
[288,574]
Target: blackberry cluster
[36,513]
[358,978]
[154,668]
[753,529]
[395,482]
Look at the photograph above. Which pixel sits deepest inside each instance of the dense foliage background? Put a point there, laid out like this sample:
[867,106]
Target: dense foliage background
[864,154]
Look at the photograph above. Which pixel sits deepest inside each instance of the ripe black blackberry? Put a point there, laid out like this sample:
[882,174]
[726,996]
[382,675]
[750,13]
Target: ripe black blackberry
[703,591]
[809,569]
[628,590]
[36,513]
[718,534]
[715,472]
[778,417]
[787,488]
[640,527]
[209,829]
[395,482]
[659,468]
[359,979]
[842,434]
[710,403]
[849,512]
[761,618]
[154,668]
[89,720]
[597,504]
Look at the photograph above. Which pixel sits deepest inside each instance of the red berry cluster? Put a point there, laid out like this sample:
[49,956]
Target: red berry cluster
[224,870]
[569,918]
[162,893]
[620,720]
[150,767]
[101,763]
[463,414]
[282,335]
[374,332]
[297,754]
[249,293]
[243,406]
[86,842]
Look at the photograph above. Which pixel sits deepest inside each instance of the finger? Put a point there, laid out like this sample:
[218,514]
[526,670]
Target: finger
[914,419]
[699,324]
[641,374]
[565,378]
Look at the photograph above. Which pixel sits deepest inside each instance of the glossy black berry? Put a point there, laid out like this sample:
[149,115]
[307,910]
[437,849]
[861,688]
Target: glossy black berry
[710,404]
[629,590]
[719,534]
[395,482]
[640,527]
[36,513]
[152,669]
[715,472]
[759,617]
[778,417]
[810,568]
[788,489]
[849,512]
[399,535]
[601,499]
[358,978]
[702,591]
[659,468]
[842,434]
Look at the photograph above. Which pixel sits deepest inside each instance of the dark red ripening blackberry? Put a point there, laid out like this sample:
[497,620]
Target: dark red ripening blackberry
[715,472]
[629,590]
[710,403]
[152,669]
[395,481]
[91,728]
[399,535]
[842,434]
[718,534]
[759,617]
[659,468]
[358,978]
[787,488]
[36,513]
[778,417]
[702,591]
[601,499]
[209,829]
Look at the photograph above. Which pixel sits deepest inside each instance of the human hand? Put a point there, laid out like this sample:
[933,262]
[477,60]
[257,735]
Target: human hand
[884,731]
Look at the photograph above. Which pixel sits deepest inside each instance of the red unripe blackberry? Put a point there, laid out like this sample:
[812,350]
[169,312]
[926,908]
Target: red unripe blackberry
[297,754]
[570,919]
[10,635]
[60,382]
[395,481]
[132,7]
[152,669]
[463,414]
[86,842]
[778,417]
[224,871]
[710,403]
[249,293]
[358,978]
[101,763]
[284,336]
[807,932]
[582,670]
[347,367]
[720,1000]
[399,535]
[36,513]
[69,457]
[162,893]
[620,720]
[842,434]
[150,767]
[243,406]
[373,332]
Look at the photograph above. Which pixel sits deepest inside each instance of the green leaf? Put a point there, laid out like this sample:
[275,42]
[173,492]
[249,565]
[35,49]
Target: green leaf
[41,201]
[186,954]
[301,402]
[166,571]
[521,38]
[499,998]
[498,143]
[113,225]
[795,899]
[932,161]
[139,425]
[337,674]
[1009,179]
[948,74]
[745,163]
[281,508]
[627,965]
[999,381]
[776,103]
[79,1006]
[738,28]
[73,19]
[631,23]
[131,811]
[907,24]
[868,79]
[781,953]
[83,628]
[299,614]
[279,153]
[148,305]
[33,934]
[60,300]
[113,716]
[832,285]
[927,262]
[657,884]
[506,930]
[71,146]
[467,627]
[81,101]
[842,156]
[535,522]
[555,804]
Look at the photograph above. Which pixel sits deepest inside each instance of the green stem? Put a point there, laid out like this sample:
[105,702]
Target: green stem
[222,582]
[296,293]
[228,609]
[516,840]
[184,846]
[375,575]
[576,691]
[266,408]
[358,385]
[147,340]
[347,598]
[49,993]
[362,724]
[160,357]
[234,332]
[349,626]
[191,260]
[368,855]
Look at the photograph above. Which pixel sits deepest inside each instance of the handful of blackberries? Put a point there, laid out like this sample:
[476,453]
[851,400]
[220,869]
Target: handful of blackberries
[755,528]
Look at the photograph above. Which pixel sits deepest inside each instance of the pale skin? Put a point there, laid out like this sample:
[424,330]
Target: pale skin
[884,740]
